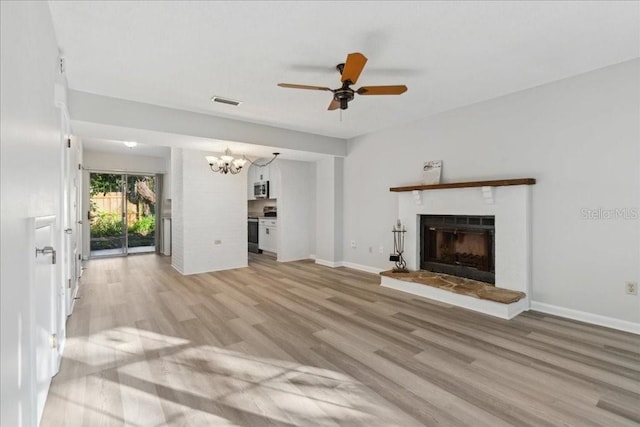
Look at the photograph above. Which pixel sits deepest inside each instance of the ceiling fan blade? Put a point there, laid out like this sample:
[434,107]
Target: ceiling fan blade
[382,90]
[292,86]
[353,67]
[334,105]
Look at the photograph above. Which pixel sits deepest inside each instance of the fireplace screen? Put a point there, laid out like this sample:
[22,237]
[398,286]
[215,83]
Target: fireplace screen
[460,245]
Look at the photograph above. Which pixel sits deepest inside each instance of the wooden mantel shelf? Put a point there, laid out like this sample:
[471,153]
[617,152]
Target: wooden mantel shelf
[494,183]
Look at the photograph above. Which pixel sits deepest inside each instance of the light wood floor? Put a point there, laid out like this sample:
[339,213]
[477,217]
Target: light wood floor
[298,344]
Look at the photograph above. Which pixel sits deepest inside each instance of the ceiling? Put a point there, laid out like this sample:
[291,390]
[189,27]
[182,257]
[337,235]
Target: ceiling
[449,54]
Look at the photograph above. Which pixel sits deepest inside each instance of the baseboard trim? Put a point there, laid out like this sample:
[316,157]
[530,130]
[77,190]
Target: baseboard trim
[335,264]
[229,267]
[312,256]
[332,264]
[583,316]
[177,269]
[366,268]
[293,259]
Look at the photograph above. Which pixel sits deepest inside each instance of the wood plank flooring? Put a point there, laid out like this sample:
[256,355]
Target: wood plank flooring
[297,344]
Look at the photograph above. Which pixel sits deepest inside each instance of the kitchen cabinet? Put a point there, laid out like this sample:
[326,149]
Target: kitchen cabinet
[256,174]
[263,173]
[268,235]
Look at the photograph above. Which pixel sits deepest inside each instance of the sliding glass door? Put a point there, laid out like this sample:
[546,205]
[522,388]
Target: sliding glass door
[106,214]
[122,214]
[141,213]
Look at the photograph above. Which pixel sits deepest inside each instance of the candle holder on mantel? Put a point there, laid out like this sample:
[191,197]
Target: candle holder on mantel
[398,248]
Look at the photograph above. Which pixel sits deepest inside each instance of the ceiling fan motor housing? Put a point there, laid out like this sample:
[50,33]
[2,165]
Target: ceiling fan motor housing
[343,96]
[345,93]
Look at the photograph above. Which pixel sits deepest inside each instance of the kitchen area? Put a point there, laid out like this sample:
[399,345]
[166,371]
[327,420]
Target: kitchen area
[262,209]
[281,210]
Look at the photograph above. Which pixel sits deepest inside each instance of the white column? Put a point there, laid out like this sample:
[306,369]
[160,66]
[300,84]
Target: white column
[329,207]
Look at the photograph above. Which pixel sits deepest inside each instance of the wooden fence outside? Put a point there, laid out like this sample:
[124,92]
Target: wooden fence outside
[112,202]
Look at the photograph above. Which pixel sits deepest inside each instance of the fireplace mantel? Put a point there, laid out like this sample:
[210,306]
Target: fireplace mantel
[493,183]
[509,202]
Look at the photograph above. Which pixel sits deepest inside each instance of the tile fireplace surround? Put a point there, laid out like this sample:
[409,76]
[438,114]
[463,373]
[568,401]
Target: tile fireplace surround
[511,206]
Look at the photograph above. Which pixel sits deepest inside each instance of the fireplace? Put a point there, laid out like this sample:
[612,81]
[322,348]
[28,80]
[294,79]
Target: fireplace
[501,212]
[460,245]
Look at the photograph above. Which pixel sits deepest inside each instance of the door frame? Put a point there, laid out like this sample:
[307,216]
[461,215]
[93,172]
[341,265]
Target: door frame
[123,203]
[61,296]
[86,207]
[72,220]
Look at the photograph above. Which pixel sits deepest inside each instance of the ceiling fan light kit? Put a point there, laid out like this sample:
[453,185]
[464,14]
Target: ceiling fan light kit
[350,72]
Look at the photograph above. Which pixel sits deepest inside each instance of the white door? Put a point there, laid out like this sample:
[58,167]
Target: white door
[44,299]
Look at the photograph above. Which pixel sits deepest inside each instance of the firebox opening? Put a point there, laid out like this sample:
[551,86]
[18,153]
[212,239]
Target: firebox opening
[460,245]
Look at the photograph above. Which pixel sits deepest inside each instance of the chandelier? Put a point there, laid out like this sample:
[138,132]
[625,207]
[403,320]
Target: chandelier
[228,164]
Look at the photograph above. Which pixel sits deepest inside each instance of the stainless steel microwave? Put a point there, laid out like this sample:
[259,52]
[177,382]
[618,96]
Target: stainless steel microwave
[261,190]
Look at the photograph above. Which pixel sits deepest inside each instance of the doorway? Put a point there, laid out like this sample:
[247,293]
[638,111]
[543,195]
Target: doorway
[122,214]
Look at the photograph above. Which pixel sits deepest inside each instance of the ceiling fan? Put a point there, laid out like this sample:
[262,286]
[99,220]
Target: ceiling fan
[350,71]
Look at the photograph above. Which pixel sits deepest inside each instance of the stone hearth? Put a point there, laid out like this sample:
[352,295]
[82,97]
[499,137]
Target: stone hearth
[458,285]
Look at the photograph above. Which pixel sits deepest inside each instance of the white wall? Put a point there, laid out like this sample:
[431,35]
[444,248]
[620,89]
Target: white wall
[30,173]
[329,211]
[167,178]
[177,210]
[313,209]
[579,137]
[296,209]
[206,207]
[96,160]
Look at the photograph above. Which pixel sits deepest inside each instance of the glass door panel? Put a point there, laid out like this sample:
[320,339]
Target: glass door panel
[106,214]
[141,213]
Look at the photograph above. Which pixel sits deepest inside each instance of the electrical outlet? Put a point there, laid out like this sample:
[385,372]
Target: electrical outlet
[353,243]
[631,288]
[381,250]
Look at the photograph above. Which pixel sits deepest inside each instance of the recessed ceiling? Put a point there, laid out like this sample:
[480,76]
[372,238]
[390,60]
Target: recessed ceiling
[118,147]
[449,54]
[159,144]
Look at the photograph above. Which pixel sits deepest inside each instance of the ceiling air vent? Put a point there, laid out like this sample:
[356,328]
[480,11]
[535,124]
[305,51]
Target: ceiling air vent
[225,100]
